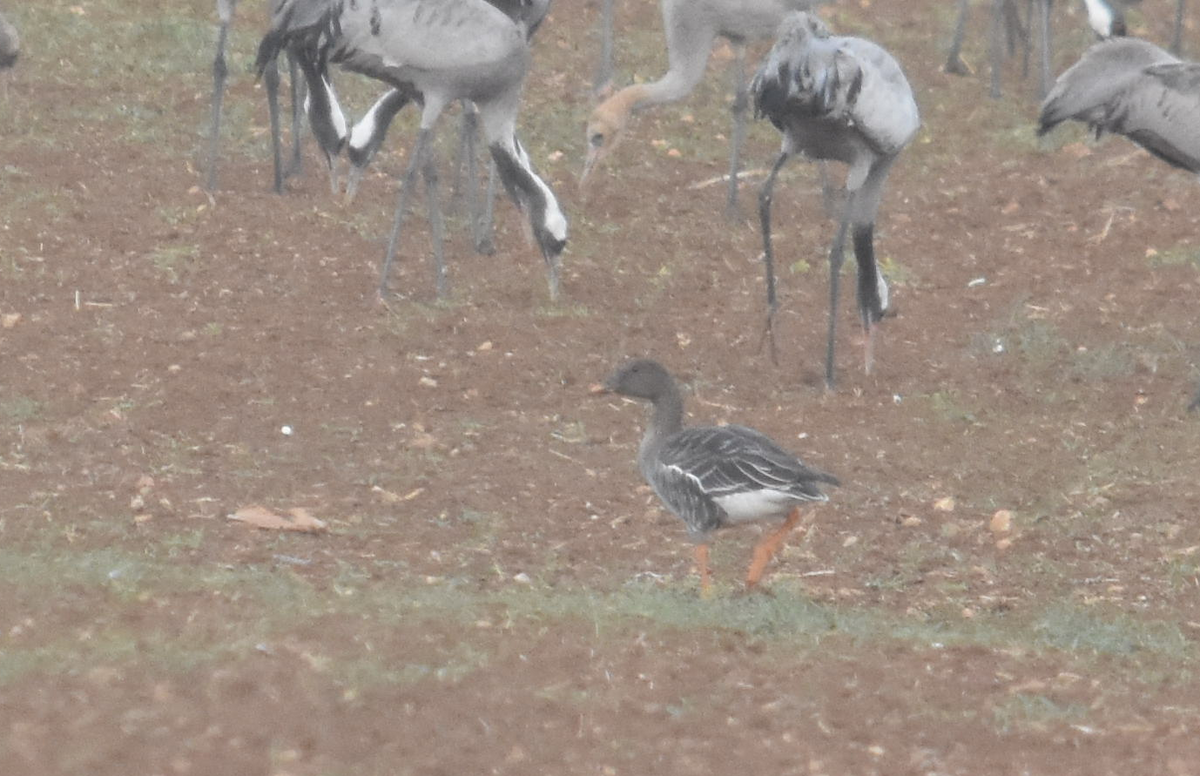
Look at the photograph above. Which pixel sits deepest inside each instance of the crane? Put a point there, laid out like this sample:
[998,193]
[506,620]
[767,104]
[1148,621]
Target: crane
[462,49]
[841,99]
[691,26]
[1133,88]
[225,11]
[368,134]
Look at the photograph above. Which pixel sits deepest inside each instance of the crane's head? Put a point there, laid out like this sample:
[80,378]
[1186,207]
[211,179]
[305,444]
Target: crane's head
[606,126]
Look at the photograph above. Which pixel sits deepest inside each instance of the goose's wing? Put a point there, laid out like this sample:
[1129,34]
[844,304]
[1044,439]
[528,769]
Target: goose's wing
[729,460]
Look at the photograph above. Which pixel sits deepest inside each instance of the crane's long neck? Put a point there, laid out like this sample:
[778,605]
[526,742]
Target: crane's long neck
[369,132]
[528,189]
[676,84]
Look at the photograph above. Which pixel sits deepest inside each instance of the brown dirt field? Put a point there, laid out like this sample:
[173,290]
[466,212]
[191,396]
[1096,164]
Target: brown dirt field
[498,592]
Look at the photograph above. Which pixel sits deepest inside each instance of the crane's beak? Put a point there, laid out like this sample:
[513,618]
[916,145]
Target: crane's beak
[595,154]
[352,180]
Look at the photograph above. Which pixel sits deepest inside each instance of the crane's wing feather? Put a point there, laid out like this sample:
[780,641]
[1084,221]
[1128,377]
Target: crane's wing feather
[810,74]
[1160,111]
[425,35]
[1085,91]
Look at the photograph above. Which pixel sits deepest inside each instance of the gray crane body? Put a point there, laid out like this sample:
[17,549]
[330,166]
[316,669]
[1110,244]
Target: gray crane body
[864,126]
[840,99]
[1133,88]
[436,53]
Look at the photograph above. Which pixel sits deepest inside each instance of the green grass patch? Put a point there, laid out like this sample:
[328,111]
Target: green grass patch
[1177,256]
[173,261]
[1026,710]
[20,409]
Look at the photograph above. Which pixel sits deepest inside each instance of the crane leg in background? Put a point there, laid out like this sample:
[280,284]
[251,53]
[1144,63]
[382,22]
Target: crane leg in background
[1044,26]
[465,156]
[996,47]
[954,63]
[1177,35]
[437,226]
[220,75]
[741,106]
[483,240]
[837,257]
[271,79]
[294,165]
[764,217]
[406,184]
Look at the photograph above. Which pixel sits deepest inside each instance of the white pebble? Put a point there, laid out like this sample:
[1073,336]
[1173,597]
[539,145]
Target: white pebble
[286,430]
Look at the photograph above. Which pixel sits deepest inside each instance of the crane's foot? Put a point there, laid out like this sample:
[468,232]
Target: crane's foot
[768,336]
[956,66]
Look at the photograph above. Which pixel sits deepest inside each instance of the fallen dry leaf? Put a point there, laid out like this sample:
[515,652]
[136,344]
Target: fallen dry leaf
[1001,522]
[389,497]
[423,441]
[295,519]
[945,504]
[10,320]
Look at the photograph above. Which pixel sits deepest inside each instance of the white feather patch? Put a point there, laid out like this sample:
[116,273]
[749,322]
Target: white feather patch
[754,505]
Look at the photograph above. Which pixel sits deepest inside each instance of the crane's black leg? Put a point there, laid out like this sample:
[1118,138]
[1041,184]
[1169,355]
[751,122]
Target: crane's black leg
[271,79]
[465,156]
[954,63]
[294,165]
[483,236]
[437,226]
[604,71]
[1177,35]
[406,185]
[1044,84]
[871,295]
[481,220]
[741,104]
[378,118]
[764,218]
[220,75]
[837,256]
[995,47]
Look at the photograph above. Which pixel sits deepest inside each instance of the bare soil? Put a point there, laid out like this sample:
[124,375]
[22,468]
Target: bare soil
[156,342]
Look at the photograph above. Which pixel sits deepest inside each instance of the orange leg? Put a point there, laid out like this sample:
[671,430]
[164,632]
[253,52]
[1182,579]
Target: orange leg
[705,574]
[766,549]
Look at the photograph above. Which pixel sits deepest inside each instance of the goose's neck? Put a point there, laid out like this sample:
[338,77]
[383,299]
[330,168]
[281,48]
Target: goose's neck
[666,420]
